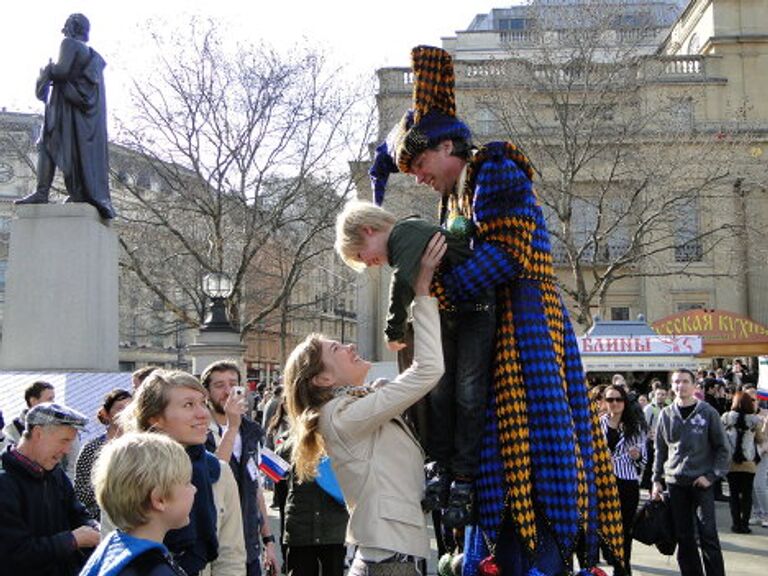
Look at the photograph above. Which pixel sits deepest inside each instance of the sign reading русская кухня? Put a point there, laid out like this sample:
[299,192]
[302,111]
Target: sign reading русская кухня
[724,333]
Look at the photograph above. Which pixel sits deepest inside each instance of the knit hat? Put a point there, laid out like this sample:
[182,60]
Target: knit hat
[432,119]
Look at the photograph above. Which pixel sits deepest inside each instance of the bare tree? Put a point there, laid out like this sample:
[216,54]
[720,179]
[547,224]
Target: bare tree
[631,184]
[234,154]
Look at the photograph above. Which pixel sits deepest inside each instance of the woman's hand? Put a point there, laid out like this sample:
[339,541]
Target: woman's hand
[395,346]
[430,260]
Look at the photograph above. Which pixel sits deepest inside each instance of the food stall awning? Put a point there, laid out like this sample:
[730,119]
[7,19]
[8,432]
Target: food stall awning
[634,346]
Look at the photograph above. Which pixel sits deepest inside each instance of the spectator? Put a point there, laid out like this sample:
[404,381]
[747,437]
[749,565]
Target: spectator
[38,393]
[140,375]
[744,431]
[277,430]
[173,403]
[43,526]
[144,484]
[597,400]
[760,489]
[315,526]
[691,453]
[651,415]
[625,435]
[271,405]
[235,438]
[114,403]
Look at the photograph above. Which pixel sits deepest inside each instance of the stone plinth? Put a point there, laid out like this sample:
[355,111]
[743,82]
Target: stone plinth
[61,302]
[213,345]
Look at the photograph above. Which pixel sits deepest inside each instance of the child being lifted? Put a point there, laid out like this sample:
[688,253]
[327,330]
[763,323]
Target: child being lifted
[367,236]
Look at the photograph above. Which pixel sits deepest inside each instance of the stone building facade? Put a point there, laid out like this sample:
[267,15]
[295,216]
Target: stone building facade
[706,61]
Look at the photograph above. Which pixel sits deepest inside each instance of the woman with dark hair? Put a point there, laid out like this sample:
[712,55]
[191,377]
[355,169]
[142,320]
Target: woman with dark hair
[377,460]
[625,434]
[744,432]
[114,403]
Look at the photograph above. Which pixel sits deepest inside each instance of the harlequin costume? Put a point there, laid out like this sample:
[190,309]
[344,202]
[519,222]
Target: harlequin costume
[545,487]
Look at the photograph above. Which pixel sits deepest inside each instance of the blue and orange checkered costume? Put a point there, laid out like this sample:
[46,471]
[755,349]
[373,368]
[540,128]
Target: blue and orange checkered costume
[545,470]
[544,462]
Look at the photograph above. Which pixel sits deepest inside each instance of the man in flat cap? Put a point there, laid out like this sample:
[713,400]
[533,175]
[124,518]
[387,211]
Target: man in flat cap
[43,527]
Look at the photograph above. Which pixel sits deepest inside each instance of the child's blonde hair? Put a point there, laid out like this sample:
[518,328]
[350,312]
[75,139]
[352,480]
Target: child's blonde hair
[356,215]
[130,467]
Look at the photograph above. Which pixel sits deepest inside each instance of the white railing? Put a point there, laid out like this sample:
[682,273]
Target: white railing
[683,66]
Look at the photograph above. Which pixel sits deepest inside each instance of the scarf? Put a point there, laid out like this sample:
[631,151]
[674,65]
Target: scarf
[353,391]
[196,544]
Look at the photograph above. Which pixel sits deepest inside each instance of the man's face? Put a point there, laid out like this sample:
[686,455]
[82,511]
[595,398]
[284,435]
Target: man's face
[660,396]
[683,385]
[437,168]
[185,418]
[47,395]
[220,387]
[373,248]
[49,444]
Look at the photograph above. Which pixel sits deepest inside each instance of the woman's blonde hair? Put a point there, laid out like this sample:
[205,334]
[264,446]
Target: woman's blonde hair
[303,401]
[356,215]
[129,468]
[152,398]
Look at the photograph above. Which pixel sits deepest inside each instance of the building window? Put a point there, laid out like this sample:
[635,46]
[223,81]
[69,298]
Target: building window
[688,246]
[486,122]
[686,306]
[3,269]
[694,45]
[513,23]
[619,313]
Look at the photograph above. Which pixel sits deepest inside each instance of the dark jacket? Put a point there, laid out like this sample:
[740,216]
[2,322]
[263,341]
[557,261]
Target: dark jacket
[121,554]
[38,511]
[312,516]
[405,247]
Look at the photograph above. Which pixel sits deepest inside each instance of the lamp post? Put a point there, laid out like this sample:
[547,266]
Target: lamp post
[217,338]
[218,287]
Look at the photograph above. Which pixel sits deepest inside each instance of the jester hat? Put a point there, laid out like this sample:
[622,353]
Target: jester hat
[431,120]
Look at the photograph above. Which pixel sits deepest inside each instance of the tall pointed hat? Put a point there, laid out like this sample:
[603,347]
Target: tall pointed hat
[431,120]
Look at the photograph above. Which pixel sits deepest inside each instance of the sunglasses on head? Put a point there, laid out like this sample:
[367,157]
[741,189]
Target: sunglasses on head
[614,399]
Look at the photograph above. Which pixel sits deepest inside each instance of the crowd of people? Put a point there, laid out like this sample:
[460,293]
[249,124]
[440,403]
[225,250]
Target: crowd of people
[695,432]
[529,472]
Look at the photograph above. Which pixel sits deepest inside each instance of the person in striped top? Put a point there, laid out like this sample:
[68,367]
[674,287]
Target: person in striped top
[625,434]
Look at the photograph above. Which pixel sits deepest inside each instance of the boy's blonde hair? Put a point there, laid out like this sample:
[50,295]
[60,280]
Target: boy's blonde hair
[356,215]
[130,467]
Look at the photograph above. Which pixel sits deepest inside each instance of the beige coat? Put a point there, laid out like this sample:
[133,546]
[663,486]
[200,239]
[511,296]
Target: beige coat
[377,460]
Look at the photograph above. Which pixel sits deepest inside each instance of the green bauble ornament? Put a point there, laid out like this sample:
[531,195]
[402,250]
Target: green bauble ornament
[460,226]
[444,565]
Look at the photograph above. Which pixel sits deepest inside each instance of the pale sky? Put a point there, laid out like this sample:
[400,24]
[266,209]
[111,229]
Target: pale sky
[363,34]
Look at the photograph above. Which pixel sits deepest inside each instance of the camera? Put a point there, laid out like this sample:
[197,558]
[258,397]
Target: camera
[238,390]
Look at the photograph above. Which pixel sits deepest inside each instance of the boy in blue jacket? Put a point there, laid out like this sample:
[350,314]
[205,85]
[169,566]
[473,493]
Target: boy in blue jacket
[144,483]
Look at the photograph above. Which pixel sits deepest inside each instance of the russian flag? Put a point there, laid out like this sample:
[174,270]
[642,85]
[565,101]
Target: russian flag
[272,465]
[762,394]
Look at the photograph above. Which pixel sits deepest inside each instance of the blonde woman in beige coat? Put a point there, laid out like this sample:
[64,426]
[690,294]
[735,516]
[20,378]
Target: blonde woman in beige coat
[377,460]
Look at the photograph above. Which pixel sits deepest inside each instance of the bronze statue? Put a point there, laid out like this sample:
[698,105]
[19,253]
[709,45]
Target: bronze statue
[74,135]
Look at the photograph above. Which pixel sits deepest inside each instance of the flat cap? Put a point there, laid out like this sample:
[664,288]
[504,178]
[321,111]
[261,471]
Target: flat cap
[52,414]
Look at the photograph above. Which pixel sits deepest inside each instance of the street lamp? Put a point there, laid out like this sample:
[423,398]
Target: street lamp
[218,287]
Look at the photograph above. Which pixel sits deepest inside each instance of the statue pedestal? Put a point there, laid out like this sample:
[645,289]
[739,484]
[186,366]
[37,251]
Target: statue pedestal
[61,303]
[213,345]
